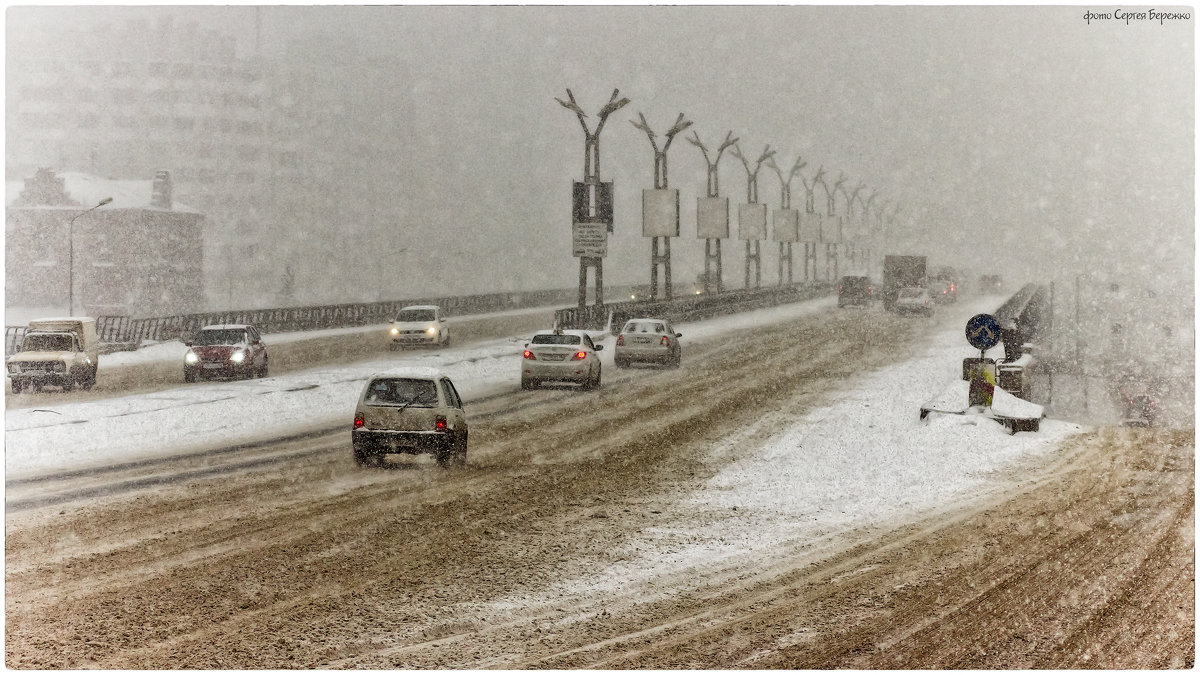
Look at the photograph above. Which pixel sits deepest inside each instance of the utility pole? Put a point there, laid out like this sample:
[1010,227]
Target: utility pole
[786,220]
[660,207]
[752,221]
[831,251]
[810,248]
[850,197]
[71,254]
[713,227]
[592,202]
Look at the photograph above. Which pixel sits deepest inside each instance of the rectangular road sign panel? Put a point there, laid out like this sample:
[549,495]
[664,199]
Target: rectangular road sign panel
[660,213]
[752,221]
[581,203]
[786,225]
[712,217]
[831,229]
[589,240]
[810,227]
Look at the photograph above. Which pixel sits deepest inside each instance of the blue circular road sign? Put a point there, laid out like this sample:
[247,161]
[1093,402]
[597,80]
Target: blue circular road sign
[983,331]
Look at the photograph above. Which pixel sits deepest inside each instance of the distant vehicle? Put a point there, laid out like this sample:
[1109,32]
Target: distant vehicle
[990,283]
[943,292]
[62,353]
[855,290]
[225,351]
[914,300]
[561,356]
[901,271]
[647,341]
[410,411]
[419,325]
[1140,411]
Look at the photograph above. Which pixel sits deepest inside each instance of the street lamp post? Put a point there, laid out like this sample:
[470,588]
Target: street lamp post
[660,183]
[831,252]
[712,245]
[850,197]
[592,201]
[810,248]
[755,255]
[71,255]
[785,198]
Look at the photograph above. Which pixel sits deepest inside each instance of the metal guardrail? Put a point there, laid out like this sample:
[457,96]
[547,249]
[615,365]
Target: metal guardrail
[114,330]
[690,307]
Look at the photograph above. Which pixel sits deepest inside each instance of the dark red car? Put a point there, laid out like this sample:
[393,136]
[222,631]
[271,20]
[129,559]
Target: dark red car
[225,351]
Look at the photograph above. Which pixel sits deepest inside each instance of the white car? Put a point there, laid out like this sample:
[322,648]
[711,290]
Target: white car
[561,356]
[915,300]
[419,325]
[647,341]
[410,411]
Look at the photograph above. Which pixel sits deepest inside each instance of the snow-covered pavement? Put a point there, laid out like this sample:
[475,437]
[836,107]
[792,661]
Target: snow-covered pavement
[867,441]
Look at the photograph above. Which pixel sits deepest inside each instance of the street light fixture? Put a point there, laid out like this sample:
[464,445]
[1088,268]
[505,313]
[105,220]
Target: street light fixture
[71,255]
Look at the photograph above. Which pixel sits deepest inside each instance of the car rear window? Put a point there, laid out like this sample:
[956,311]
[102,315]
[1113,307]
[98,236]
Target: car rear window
[555,339]
[220,336]
[645,327]
[403,391]
[416,315]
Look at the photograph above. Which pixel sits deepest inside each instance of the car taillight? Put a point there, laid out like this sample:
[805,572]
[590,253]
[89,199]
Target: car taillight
[665,340]
[840,289]
[529,355]
[952,287]
[358,420]
[621,340]
[581,355]
[439,423]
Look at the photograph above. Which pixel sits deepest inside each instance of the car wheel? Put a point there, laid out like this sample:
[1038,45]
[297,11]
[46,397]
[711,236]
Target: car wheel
[69,385]
[262,372]
[444,454]
[16,386]
[91,379]
[360,457]
[527,383]
[459,455]
[447,342]
[189,376]
[678,358]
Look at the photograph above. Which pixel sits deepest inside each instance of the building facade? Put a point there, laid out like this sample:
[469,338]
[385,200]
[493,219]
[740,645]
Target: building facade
[140,255]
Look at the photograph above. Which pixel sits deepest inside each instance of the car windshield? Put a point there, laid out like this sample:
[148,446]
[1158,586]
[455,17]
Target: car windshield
[416,315]
[910,293]
[403,391]
[550,339]
[220,336]
[48,343]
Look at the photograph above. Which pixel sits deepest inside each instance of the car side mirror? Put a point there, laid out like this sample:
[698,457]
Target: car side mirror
[679,335]
[599,348]
[186,342]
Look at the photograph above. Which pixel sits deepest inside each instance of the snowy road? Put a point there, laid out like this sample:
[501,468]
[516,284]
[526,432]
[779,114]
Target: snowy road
[788,438]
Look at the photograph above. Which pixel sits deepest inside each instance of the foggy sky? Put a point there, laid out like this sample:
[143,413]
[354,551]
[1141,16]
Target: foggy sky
[1020,140]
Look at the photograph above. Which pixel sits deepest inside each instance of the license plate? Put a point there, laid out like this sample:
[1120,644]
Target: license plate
[553,357]
[642,340]
[212,366]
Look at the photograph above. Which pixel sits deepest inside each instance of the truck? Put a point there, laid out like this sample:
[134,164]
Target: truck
[901,271]
[59,352]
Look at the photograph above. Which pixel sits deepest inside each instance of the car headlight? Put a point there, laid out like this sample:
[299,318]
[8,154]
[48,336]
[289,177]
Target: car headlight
[395,331]
[14,367]
[432,330]
[238,356]
[191,357]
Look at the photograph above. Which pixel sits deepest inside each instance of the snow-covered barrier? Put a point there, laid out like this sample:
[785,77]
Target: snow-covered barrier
[692,307]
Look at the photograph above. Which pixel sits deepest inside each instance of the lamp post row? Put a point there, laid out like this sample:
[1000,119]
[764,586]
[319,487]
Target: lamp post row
[592,203]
